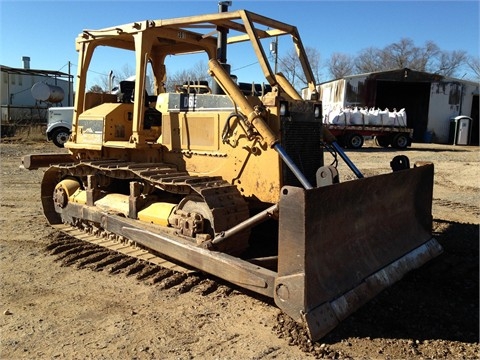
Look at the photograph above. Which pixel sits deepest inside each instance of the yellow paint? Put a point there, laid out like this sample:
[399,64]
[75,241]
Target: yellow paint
[193,134]
[78,197]
[69,186]
[157,213]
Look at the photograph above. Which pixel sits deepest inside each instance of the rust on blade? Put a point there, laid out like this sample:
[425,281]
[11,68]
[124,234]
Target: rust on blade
[349,241]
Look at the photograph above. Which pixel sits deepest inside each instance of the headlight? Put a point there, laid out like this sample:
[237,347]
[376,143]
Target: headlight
[283,108]
[317,110]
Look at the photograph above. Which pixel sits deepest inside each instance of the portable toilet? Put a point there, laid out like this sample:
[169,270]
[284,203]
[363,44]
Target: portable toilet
[460,130]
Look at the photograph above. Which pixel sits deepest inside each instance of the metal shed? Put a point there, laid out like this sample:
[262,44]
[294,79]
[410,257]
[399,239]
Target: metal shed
[430,100]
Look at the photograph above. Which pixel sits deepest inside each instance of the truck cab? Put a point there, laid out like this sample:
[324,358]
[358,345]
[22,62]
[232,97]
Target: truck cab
[59,125]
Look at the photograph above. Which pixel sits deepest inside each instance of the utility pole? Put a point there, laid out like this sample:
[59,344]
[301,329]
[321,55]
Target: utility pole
[69,85]
[274,51]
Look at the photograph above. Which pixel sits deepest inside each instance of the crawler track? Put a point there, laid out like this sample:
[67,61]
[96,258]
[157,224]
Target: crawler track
[226,204]
[79,241]
[73,248]
[85,244]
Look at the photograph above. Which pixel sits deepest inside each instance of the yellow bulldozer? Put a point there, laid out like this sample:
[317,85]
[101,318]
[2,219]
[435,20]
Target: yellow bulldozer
[228,177]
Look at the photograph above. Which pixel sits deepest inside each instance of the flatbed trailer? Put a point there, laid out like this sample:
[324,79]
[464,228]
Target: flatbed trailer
[353,136]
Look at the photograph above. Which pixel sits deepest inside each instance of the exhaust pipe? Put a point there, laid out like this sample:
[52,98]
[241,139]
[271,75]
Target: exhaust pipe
[222,46]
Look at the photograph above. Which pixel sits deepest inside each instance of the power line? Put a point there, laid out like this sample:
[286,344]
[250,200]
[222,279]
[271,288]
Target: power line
[243,67]
[92,71]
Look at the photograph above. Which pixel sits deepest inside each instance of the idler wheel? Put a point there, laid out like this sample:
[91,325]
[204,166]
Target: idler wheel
[60,197]
[63,191]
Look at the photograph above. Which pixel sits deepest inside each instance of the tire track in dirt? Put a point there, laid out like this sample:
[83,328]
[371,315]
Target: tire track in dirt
[72,252]
[474,210]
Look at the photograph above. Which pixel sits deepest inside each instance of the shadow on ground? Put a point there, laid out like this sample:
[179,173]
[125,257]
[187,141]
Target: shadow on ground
[438,301]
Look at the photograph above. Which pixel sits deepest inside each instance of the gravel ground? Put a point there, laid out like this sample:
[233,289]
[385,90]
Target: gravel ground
[52,309]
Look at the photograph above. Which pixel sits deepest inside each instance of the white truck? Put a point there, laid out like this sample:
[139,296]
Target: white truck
[59,124]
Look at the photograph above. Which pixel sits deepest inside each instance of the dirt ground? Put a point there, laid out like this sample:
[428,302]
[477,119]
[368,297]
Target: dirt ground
[55,309]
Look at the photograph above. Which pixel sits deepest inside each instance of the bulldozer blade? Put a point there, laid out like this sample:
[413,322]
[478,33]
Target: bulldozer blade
[35,161]
[340,245]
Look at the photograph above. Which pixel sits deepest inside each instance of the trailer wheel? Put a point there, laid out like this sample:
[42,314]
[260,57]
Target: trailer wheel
[60,136]
[383,141]
[354,141]
[400,141]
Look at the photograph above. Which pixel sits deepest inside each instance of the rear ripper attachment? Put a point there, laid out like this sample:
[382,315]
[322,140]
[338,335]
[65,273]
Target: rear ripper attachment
[232,181]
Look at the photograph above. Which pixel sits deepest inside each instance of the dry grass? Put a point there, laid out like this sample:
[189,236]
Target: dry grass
[27,133]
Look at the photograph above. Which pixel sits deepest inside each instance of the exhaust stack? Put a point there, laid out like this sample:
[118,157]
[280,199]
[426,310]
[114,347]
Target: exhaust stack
[26,62]
[222,46]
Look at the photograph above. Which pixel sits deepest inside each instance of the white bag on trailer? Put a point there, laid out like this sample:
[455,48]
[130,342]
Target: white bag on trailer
[374,117]
[364,116]
[356,117]
[401,118]
[383,114]
[390,121]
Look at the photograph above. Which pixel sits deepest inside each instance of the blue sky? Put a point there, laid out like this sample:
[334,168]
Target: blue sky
[46,30]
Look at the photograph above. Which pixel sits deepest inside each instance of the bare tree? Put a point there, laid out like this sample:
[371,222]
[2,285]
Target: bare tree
[315,62]
[450,61]
[399,55]
[96,89]
[369,60]
[290,66]
[199,72]
[340,65]
[473,62]
[124,73]
[422,57]
[404,54]
[100,83]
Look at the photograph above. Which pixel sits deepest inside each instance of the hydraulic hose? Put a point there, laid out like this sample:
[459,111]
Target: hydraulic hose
[330,139]
[296,171]
[255,118]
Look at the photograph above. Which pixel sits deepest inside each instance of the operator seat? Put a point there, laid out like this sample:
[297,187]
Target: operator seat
[151,116]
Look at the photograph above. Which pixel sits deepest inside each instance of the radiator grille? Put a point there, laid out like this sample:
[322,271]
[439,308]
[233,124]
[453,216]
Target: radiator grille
[302,142]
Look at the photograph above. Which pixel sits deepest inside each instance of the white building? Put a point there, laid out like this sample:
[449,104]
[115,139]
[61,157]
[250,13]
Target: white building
[18,104]
[430,100]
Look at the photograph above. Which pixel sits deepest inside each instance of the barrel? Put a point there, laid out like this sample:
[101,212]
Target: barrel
[46,92]
[428,137]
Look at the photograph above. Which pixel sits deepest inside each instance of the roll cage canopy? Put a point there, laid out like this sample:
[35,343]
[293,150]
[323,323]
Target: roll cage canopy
[163,37]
